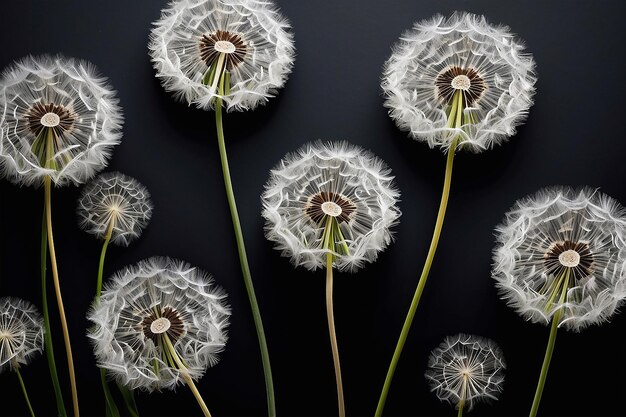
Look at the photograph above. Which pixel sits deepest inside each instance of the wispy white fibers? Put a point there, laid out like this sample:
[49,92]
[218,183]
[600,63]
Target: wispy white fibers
[21,333]
[357,182]
[466,369]
[67,99]
[116,201]
[254,36]
[462,52]
[143,303]
[562,239]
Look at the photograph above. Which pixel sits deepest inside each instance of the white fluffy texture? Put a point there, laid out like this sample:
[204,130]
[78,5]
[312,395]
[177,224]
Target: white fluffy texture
[468,41]
[468,368]
[343,169]
[74,84]
[21,333]
[554,215]
[174,48]
[120,345]
[115,197]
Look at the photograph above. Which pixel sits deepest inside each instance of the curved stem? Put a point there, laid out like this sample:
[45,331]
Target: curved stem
[550,348]
[455,119]
[19,376]
[333,335]
[47,336]
[57,290]
[107,239]
[243,258]
[185,374]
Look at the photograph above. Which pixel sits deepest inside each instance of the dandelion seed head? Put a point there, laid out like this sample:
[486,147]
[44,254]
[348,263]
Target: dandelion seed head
[21,333]
[563,250]
[330,180]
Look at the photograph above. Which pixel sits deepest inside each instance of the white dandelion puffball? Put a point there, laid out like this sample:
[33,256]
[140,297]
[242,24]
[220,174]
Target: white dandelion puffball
[21,333]
[116,202]
[466,369]
[462,53]
[330,180]
[251,35]
[144,302]
[563,250]
[58,118]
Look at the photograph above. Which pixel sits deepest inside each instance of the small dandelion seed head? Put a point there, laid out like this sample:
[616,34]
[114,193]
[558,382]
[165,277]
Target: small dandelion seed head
[463,52]
[330,180]
[468,369]
[21,333]
[116,201]
[563,250]
[252,35]
[58,119]
[145,302]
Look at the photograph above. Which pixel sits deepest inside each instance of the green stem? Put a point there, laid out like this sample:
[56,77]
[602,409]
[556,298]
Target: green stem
[47,337]
[461,405]
[550,348]
[19,376]
[333,335]
[455,117]
[245,269]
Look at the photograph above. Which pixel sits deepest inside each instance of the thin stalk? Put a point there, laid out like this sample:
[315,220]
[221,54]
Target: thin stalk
[549,349]
[105,246]
[47,336]
[461,405]
[185,374]
[243,258]
[57,290]
[455,119]
[19,376]
[333,335]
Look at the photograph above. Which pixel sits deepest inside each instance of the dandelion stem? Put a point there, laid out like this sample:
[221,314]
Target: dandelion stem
[57,290]
[47,337]
[19,376]
[455,119]
[245,268]
[107,239]
[333,335]
[185,374]
[556,319]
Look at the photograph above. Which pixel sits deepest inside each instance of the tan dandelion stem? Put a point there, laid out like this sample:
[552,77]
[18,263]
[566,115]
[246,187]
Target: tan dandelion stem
[455,119]
[241,248]
[333,335]
[57,291]
[169,348]
[556,319]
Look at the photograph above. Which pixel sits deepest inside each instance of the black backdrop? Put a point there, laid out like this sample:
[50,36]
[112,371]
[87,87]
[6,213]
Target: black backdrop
[573,136]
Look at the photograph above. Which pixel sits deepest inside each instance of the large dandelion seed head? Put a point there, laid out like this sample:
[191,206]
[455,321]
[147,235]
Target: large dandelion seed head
[326,181]
[252,35]
[563,250]
[115,202]
[145,302]
[58,118]
[466,369]
[462,53]
[21,333]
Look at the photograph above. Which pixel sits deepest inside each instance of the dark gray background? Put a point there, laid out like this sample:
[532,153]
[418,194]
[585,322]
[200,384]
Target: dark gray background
[573,136]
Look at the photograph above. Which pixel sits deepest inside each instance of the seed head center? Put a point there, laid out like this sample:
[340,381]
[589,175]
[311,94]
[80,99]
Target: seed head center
[160,325]
[461,82]
[225,47]
[331,209]
[570,258]
[50,119]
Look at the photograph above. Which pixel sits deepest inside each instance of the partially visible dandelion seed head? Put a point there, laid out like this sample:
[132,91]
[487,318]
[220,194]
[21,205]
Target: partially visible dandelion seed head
[563,250]
[463,52]
[21,333]
[145,302]
[466,368]
[58,118]
[330,180]
[117,201]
